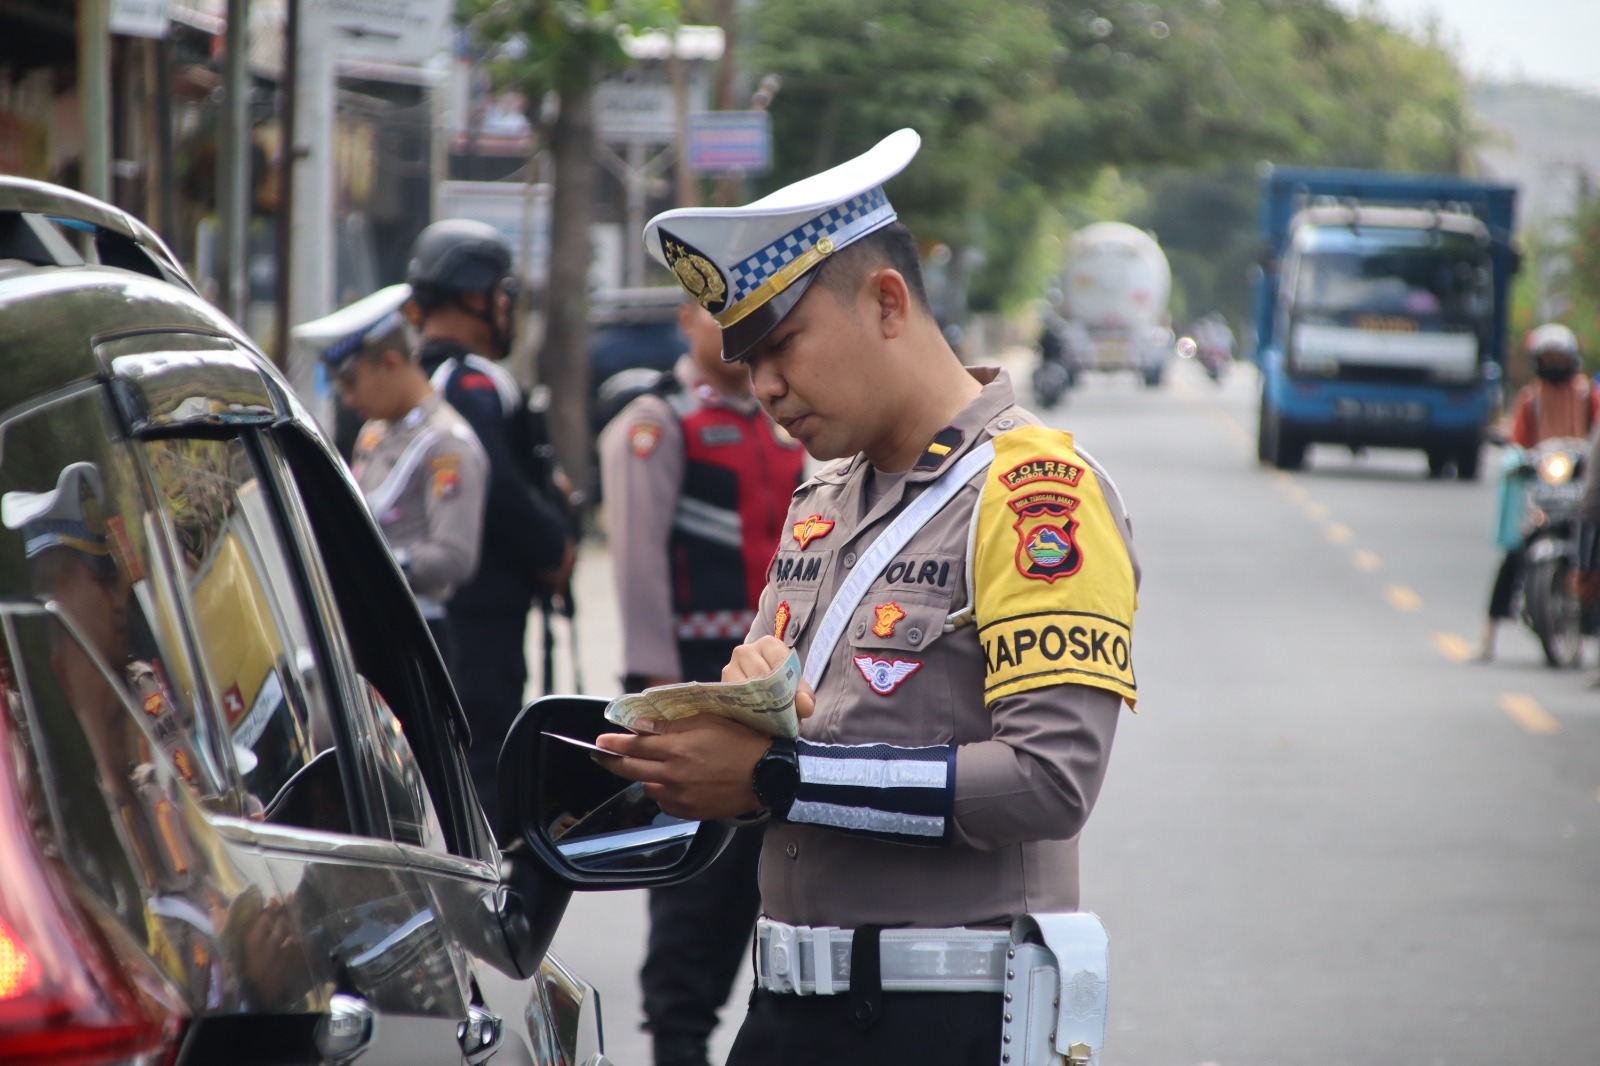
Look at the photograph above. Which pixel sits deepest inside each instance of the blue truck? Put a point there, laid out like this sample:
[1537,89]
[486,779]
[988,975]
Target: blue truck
[1381,312]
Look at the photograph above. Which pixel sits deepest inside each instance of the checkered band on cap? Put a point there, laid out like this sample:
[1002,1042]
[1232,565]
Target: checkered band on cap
[843,224]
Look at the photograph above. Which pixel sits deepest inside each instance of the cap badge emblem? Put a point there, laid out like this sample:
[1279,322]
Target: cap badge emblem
[698,275]
[810,529]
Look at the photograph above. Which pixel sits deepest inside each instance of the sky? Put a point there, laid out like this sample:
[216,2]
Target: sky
[1555,41]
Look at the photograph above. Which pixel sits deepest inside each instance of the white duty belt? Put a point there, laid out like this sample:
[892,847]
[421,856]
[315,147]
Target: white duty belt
[814,960]
[882,551]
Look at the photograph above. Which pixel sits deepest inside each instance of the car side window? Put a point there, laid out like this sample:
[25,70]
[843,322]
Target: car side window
[262,662]
[419,726]
[79,533]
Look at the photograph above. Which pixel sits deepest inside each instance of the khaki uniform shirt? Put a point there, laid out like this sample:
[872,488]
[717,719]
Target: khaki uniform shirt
[424,477]
[1032,567]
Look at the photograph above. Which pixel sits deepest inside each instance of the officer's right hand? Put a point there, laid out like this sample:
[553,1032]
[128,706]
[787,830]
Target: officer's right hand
[760,659]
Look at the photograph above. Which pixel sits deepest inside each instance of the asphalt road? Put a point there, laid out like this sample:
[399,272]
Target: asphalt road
[1326,836]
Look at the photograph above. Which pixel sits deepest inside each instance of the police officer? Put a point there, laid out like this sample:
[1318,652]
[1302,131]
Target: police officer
[461,305]
[697,480]
[75,562]
[960,584]
[418,463]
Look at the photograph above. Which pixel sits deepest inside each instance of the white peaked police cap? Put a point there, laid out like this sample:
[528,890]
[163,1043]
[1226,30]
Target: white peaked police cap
[750,265]
[321,333]
[71,515]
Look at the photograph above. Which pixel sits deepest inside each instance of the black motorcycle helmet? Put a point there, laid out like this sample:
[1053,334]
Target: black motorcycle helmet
[457,256]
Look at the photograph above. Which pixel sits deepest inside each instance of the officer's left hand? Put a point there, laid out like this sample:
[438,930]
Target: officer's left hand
[697,767]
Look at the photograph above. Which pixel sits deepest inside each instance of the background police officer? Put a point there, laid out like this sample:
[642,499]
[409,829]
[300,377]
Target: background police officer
[697,480]
[966,690]
[461,305]
[419,465]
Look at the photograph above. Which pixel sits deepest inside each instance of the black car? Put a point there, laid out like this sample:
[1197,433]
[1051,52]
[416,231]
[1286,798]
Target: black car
[235,820]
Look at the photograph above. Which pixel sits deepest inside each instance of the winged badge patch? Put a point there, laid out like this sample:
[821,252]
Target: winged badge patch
[810,529]
[885,676]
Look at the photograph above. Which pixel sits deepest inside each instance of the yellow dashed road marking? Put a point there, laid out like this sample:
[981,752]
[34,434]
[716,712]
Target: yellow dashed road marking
[1368,561]
[1339,533]
[1402,598]
[1529,716]
[1316,511]
[1453,646]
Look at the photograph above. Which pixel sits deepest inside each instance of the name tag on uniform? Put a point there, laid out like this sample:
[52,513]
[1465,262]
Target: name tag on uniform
[721,436]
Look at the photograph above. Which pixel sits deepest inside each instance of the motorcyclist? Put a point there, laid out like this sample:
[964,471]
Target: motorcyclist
[1560,402]
[461,306]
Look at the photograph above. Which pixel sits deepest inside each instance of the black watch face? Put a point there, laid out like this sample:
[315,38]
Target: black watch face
[777,779]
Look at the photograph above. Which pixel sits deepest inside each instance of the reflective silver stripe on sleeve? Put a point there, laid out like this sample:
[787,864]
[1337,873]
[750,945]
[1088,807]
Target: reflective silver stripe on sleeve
[866,819]
[871,773]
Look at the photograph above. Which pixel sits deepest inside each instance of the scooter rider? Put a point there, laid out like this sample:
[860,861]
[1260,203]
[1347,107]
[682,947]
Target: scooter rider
[461,305]
[1560,402]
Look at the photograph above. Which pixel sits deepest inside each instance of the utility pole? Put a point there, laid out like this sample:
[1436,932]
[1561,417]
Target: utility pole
[233,193]
[283,243]
[94,91]
[313,219]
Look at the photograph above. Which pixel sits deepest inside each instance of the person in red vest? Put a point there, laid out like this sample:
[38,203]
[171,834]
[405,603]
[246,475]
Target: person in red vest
[697,481]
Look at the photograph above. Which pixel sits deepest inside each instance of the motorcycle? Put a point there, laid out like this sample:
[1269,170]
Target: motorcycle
[1554,474]
[1051,375]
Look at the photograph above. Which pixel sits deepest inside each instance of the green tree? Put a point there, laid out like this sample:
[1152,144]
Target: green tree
[564,48]
[1024,103]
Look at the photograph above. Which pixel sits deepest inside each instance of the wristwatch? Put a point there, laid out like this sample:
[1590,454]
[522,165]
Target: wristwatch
[776,778]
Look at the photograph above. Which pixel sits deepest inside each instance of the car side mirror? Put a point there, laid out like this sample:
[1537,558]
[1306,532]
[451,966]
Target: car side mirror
[593,829]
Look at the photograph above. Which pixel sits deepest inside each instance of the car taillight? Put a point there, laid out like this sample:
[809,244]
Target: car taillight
[67,996]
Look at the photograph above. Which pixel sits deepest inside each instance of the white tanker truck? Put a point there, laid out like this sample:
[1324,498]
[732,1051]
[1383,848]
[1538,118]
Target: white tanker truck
[1113,306]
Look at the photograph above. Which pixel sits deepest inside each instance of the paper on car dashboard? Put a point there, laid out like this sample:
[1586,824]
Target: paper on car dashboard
[765,704]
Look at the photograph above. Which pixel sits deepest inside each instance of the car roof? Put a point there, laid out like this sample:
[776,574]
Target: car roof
[74,272]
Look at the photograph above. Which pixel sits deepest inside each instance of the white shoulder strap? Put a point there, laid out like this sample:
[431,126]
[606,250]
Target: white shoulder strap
[883,550]
[441,375]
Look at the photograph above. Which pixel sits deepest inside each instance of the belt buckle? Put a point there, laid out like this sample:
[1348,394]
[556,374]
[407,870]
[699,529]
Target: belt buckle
[783,958]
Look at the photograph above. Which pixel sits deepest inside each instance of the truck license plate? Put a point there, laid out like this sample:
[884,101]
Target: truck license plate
[1386,411]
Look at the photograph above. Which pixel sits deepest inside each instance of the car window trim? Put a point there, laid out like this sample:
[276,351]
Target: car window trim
[288,839]
[369,815]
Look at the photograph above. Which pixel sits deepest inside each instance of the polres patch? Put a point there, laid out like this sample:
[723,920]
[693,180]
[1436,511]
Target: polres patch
[885,675]
[1046,548]
[643,436]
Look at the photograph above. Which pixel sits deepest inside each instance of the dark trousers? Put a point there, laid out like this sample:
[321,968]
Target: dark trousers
[490,671]
[1506,580]
[925,1028]
[699,930]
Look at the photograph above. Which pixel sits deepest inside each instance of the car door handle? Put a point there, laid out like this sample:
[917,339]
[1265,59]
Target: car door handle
[479,1035]
[345,1031]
